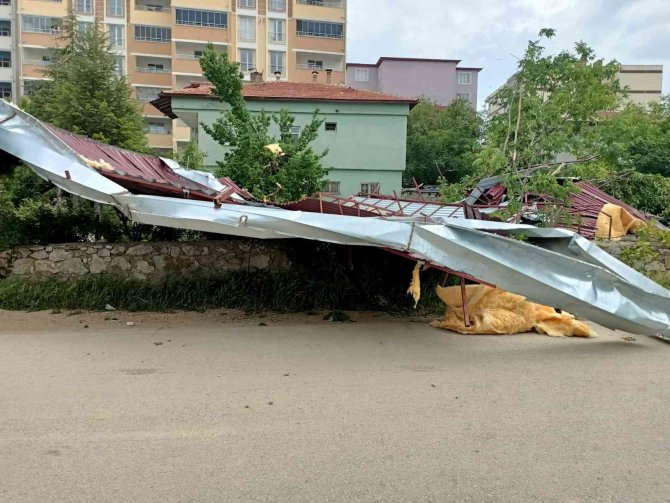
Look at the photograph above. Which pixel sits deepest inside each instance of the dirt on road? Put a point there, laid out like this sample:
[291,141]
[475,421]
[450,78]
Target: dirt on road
[224,407]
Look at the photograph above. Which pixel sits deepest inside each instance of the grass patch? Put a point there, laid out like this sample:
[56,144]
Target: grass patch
[249,291]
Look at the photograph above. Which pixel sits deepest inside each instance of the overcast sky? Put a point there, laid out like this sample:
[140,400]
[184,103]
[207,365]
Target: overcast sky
[490,33]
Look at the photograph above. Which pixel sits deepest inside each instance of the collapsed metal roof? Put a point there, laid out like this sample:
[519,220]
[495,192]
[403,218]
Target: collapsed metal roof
[561,268]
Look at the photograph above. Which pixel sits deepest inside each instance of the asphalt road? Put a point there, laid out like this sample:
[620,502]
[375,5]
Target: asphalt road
[213,408]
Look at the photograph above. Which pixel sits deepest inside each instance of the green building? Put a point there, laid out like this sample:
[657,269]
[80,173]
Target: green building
[364,132]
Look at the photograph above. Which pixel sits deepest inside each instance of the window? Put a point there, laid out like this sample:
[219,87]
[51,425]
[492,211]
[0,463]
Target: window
[331,126]
[247,60]
[319,29]
[84,26]
[84,6]
[332,187]
[30,86]
[115,8]
[156,127]
[295,134]
[41,24]
[152,7]
[152,34]
[464,78]
[277,31]
[209,18]
[246,4]
[362,74]
[5,28]
[247,28]
[370,188]
[197,54]
[118,66]
[5,2]
[147,94]
[277,5]
[5,59]
[116,35]
[46,59]
[463,96]
[277,60]
[314,64]
[6,90]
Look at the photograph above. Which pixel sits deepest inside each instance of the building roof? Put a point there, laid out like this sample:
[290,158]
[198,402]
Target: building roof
[284,91]
[414,60]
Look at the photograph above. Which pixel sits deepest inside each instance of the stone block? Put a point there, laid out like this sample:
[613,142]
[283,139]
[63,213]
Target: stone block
[104,253]
[159,261]
[260,261]
[120,263]
[40,254]
[141,249]
[655,266]
[143,267]
[667,263]
[23,266]
[97,265]
[59,255]
[45,267]
[73,266]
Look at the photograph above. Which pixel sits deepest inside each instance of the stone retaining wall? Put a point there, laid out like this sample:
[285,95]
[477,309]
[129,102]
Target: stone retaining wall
[140,260]
[657,264]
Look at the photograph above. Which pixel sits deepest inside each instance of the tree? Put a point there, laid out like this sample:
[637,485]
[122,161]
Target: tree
[638,138]
[84,95]
[290,175]
[190,156]
[442,141]
[553,104]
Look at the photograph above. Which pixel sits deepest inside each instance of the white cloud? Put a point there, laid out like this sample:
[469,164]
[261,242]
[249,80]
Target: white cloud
[491,33]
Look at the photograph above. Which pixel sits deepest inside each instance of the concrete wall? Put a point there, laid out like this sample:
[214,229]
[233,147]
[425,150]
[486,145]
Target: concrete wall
[372,84]
[139,260]
[434,80]
[368,146]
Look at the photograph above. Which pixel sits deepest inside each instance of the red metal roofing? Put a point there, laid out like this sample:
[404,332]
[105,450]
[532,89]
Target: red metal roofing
[139,173]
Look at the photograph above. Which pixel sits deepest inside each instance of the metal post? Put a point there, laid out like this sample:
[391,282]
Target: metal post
[464,298]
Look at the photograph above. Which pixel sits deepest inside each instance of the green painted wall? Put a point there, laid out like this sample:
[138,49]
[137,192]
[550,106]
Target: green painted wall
[368,146]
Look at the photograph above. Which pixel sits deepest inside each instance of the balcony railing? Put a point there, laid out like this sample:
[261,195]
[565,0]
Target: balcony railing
[321,68]
[152,8]
[323,3]
[318,34]
[188,57]
[149,69]
[277,5]
[37,62]
[157,130]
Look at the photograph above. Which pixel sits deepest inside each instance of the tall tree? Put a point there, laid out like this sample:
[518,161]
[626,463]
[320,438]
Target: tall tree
[442,141]
[84,94]
[290,175]
[553,104]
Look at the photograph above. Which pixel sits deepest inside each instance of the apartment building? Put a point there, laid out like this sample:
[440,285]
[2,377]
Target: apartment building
[159,42]
[643,83]
[439,80]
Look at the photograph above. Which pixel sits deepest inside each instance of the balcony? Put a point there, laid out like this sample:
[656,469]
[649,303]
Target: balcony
[324,11]
[204,33]
[153,13]
[187,63]
[159,140]
[41,39]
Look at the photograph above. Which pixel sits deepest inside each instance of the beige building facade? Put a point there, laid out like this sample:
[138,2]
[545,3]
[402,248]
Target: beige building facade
[644,83]
[159,42]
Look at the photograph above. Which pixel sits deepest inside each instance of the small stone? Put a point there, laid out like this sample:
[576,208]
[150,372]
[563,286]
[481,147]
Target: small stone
[97,265]
[73,266]
[104,253]
[667,264]
[159,261]
[158,343]
[85,326]
[433,385]
[271,403]
[286,375]
[130,323]
[143,267]
[39,255]
[247,407]
[23,266]
[120,263]
[261,324]
[260,261]
[59,255]
[142,249]
[655,266]
[49,248]
[109,307]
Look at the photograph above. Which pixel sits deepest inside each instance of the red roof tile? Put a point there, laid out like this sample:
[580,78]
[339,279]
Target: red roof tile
[296,91]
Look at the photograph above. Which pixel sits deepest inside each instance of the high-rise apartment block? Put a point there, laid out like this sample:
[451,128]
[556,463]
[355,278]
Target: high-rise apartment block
[158,44]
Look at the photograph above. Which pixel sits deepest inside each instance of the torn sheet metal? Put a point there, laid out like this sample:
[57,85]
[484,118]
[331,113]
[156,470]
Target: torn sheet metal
[558,270]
